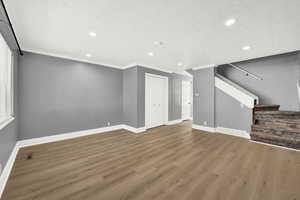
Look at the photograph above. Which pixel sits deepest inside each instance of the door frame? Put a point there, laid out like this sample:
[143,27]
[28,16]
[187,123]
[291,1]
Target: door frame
[191,100]
[166,98]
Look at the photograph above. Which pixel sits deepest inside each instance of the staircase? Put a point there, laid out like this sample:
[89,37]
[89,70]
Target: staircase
[276,127]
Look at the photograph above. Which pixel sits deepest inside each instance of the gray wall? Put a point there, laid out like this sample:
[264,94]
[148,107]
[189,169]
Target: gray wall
[230,114]
[59,95]
[203,106]
[280,76]
[130,94]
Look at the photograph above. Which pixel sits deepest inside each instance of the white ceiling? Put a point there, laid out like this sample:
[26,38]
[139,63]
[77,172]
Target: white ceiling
[192,31]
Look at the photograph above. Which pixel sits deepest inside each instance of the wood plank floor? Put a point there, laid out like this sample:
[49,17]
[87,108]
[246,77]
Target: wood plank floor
[169,162]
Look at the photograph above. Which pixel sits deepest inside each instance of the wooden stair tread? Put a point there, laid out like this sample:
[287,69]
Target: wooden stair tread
[265,105]
[277,113]
[273,137]
[282,120]
[277,128]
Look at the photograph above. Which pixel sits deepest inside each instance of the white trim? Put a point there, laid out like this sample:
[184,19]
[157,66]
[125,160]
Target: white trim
[65,136]
[157,76]
[72,58]
[6,122]
[130,65]
[7,169]
[232,91]
[204,67]
[298,87]
[134,130]
[203,128]
[233,132]
[273,145]
[97,63]
[146,66]
[174,122]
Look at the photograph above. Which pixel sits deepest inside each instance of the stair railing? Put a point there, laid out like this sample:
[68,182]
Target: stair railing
[237,92]
[245,72]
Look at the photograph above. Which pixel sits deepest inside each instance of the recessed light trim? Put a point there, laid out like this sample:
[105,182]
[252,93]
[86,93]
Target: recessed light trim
[180,64]
[158,43]
[92,34]
[88,55]
[230,22]
[246,48]
[150,54]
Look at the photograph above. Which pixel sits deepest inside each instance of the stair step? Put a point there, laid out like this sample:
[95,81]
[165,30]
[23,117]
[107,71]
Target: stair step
[276,114]
[266,107]
[286,132]
[289,123]
[276,140]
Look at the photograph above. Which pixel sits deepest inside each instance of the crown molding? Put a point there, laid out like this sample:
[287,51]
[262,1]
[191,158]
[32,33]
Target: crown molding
[204,67]
[97,63]
[72,58]
[146,66]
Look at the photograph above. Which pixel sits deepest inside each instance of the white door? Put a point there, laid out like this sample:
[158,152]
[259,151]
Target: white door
[186,100]
[155,101]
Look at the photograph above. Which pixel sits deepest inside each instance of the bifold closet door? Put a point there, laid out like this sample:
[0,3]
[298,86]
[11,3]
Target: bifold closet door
[156,101]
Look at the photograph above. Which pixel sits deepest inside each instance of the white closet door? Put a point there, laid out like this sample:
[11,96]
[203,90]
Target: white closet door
[186,100]
[157,101]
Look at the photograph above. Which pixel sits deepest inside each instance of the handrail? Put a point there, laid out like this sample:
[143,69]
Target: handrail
[245,71]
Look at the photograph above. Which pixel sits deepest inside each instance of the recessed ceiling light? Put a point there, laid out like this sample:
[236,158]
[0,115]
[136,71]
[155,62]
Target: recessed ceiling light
[150,54]
[179,64]
[158,43]
[230,22]
[88,55]
[92,34]
[246,48]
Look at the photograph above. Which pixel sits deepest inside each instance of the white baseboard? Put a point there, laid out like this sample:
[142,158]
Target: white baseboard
[135,130]
[233,132]
[7,169]
[227,131]
[174,122]
[203,128]
[42,140]
[65,136]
